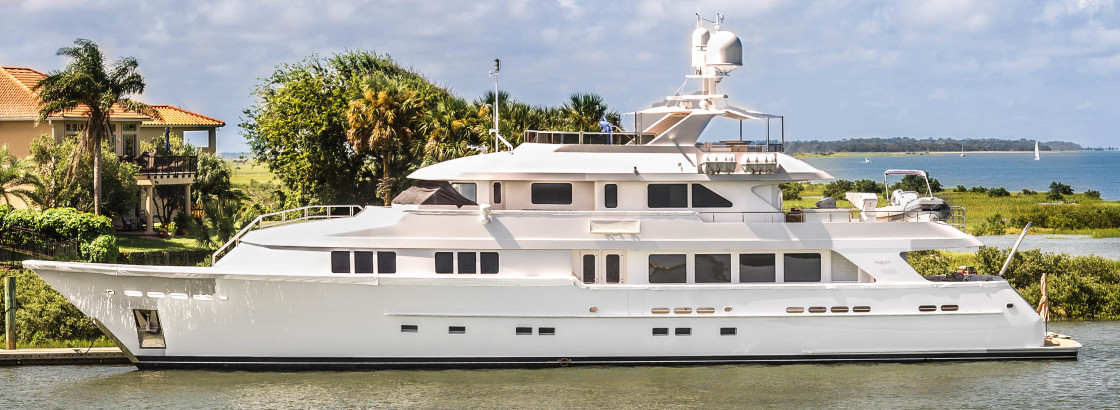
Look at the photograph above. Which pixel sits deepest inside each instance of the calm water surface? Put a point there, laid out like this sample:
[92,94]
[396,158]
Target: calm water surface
[1090,381]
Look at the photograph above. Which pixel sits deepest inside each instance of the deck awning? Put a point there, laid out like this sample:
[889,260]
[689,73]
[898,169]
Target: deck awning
[745,114]
[432,193]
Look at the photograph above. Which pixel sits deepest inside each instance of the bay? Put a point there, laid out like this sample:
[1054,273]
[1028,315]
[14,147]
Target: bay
[1081,170]
[1087,382]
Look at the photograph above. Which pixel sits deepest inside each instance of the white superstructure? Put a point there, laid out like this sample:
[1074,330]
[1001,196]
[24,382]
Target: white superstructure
[574,248]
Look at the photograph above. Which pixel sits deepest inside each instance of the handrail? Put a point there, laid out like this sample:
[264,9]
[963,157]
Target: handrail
[304,214]
[587,137]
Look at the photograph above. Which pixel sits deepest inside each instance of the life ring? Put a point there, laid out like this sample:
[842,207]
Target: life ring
[564,361]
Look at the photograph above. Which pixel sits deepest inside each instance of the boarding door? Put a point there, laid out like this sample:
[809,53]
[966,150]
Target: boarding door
[601,267]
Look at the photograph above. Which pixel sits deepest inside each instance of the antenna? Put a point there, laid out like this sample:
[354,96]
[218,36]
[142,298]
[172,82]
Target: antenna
[497,135]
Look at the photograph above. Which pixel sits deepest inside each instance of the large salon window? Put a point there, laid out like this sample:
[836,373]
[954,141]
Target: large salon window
[702,197]
[363,262]
[551,193]
[466,262]
[614,268]
[667,195]
[756,267]
[667,268]
[713,268]
[802,267]
[340,262]
[488,261]
[610,195]
[467,189]
[386,262]
[445,262]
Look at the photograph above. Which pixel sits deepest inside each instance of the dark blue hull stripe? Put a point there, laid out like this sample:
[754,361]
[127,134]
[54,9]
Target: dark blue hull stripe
[243,362]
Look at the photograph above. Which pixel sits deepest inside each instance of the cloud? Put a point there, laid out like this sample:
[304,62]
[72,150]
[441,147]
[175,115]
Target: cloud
[937,95]
[1104,65]
[1084,106]
[961,15]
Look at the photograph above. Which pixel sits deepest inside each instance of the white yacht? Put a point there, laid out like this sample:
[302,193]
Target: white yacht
[572,249]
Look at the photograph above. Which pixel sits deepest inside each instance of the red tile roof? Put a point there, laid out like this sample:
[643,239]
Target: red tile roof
[17,100]
[175,116]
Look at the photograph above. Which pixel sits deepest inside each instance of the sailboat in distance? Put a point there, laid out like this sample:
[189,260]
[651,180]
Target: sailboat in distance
[1035,150]
[962,149]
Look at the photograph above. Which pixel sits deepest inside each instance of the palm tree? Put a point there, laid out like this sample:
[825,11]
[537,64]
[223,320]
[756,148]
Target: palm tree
[87,83]
[16,179]
[583,111]
[385,120]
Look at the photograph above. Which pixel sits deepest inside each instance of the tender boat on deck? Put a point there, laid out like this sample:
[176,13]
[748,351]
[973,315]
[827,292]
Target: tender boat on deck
[573,248]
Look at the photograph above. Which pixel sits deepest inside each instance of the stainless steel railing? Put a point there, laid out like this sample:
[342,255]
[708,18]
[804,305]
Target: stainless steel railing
[285,217]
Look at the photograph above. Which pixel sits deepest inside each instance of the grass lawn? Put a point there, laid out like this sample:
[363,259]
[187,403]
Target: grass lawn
[147,244]
[245,171]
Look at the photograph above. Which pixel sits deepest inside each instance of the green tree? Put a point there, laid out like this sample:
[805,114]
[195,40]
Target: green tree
[17,179]
[87,83]
[54,160]
[385,121]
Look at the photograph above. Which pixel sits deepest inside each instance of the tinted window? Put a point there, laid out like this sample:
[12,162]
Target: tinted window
[497,192]
[588,268]
[713,268]
[466,262]
[386,262]
[489,262]
[803,267]
[667,195]
[467,189]
[614,268]
[552,194]
[363,262]
[610,195]
[445,262]
[667,269]
[756,267]
[340,262]
[702,197]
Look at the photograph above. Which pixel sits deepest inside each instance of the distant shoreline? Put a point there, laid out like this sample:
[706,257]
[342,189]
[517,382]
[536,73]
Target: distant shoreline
[912,153]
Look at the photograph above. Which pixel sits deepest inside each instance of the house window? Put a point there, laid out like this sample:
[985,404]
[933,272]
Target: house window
[614,268]
[551,193]
[803,267]
[466,262]
[466,189]
[386,262]
[667,195]
[610,196]
[588,268]
[340,262]
[363,262]
[713,268]
[489,262]
[497,192]
[667,268]
[756,267]
[128,127]
[702,197]
[445,262]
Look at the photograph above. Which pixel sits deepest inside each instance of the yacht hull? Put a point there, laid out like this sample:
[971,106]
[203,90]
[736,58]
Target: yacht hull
[215,320]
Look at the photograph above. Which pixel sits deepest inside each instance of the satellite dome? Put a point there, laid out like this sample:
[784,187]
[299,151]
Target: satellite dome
[725,51]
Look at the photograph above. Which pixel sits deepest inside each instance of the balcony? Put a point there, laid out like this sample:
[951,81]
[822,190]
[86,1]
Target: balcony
[166,170]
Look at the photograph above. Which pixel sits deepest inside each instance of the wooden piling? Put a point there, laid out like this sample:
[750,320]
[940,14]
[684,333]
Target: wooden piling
[10,311]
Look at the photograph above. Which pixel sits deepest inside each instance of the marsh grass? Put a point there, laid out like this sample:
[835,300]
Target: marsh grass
[246,170]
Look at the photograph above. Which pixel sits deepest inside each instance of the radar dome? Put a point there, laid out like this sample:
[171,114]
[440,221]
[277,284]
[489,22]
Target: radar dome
[700,38]
[725,51]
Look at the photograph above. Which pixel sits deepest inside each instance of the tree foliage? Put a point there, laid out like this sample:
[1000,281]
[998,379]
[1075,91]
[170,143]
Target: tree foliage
[17,179]
[60,188]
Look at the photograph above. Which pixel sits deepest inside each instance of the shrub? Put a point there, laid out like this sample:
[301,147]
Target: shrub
[1092,193]
[1029,192]
[994,225]
[103,249]
[998,192]
[791,190]
[1061,188]
[960,188]
[978,189]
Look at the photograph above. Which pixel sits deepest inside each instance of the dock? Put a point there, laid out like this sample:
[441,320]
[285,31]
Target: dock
[62,356]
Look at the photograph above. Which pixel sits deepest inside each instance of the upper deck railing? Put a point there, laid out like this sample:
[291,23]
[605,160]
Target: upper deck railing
[588,138]
[288,216]
[167,165]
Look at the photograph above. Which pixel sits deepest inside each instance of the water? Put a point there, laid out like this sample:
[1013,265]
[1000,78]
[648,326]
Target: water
[1080,170]
[1081,245]
[1087,382]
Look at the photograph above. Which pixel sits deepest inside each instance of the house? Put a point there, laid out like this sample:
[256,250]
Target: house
[19,108]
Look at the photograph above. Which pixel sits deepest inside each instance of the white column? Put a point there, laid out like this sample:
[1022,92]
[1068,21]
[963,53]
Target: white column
[187,199]
[148,205]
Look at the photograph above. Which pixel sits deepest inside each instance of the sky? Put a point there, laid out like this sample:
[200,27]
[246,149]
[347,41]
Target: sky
[1046,70]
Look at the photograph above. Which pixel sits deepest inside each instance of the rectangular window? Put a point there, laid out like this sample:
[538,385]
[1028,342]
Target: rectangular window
[466,262]
[757,267]
[713,268]
[803,267]
[128,127]
[683,331]
[524,331]
[456,330]
[551,194]
[409,328]
[667,269]
[588,268]
[488,262]
[497,192]
[466,189]
[843,270]
[610,195]
[614,268]
[660,331]
[363,262]
[340,262]
[445,262]
[386,262]
[727,331]
[546,331]
[702,197]
[667,195]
